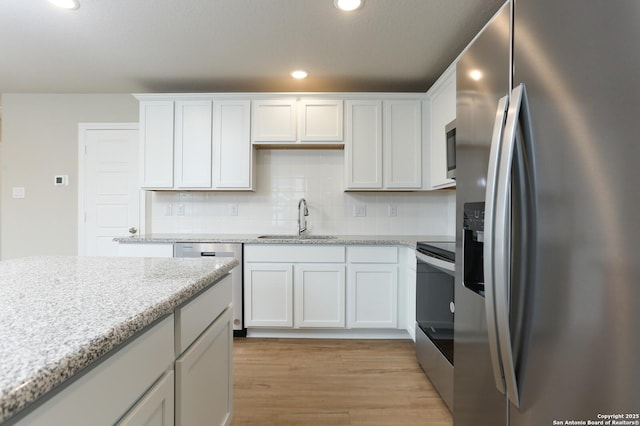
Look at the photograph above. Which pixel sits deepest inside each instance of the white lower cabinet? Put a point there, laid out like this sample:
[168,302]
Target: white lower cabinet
[372,287]
[321,286]
[373,296]
[268,294]
[156,408]
[140,384]
[319,295]
[203,377]
[108,391]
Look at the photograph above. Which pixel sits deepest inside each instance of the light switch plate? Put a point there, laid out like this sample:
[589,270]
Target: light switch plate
[359,211]
[18,192]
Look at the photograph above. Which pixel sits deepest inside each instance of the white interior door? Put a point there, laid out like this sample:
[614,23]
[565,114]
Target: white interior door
[109,194]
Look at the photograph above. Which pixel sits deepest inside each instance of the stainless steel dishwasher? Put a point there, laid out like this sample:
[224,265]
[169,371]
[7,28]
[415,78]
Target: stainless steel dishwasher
[221,250]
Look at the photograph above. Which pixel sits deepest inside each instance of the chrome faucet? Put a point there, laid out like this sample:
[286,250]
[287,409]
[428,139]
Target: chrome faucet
[302,216]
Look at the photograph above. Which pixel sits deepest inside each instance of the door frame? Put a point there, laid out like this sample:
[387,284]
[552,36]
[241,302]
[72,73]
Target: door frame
[82,129]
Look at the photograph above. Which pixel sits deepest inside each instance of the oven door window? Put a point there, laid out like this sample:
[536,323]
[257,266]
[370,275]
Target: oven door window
[434,300]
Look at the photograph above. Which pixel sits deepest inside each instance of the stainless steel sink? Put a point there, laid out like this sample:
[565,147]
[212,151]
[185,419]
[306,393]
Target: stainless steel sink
[297,237]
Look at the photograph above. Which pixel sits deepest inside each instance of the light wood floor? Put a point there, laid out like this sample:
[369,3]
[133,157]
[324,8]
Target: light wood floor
[332,382]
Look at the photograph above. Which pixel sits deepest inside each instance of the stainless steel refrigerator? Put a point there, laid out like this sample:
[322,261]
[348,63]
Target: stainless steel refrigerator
[547,326]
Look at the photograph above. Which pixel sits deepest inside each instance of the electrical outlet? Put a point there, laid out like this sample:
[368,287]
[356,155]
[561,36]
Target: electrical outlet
[392,210]
[233,210]
[168,210]
[180,210]
[359,211]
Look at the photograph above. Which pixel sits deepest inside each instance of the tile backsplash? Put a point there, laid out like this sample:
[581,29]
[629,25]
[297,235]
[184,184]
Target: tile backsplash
[285,176]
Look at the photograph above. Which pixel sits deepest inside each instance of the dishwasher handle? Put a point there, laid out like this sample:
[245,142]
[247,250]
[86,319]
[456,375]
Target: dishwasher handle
[216,254]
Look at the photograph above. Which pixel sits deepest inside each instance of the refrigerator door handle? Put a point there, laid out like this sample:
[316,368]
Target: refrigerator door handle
[489,243]
[502,249]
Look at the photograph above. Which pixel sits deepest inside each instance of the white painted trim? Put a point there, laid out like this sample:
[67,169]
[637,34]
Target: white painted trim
[277,95]
[82,128]
[312,333]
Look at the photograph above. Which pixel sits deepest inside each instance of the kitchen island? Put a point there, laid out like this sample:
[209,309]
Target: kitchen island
[62,317]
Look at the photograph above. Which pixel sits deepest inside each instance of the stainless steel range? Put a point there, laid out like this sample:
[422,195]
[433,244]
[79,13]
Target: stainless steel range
[434,314]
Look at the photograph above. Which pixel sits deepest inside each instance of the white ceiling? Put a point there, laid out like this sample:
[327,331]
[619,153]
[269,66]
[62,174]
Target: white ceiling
[135,46]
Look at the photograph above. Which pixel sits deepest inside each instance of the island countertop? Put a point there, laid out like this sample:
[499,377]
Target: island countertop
[60,314]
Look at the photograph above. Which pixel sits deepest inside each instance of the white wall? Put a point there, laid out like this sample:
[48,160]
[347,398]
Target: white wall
[39,141]
[285,176]
[40,138]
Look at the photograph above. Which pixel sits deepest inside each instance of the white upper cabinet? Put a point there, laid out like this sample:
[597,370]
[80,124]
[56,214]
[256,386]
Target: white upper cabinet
[274,120]
[320,120]
[383,145]
[197,144]
[443,111]
[363,147]
[193,144]
[402,144]
[232,151]
[291,122]
[156,144]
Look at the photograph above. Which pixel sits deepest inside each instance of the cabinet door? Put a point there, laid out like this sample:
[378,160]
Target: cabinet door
[204,377]
[274,121]
[402,144]
[156,406]
[363,144]
[268,294]
[193,144]
[232,153]
[320,120]
[372,294]
[156,144]
[319,292]
[443,111]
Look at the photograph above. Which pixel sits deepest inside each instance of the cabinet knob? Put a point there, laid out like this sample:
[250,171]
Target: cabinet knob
[133,230]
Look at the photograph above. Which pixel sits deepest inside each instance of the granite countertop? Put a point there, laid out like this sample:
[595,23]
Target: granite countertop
[60,314]
[405,240]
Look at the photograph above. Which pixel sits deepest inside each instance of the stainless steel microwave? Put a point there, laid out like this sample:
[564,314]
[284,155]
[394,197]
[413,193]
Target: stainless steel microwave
[450,131]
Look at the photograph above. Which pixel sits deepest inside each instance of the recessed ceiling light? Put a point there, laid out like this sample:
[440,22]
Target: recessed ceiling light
[66,4]
[475,75]
[347,5]
[299,74]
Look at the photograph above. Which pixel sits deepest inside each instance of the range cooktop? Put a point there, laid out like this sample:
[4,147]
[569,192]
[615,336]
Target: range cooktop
[439,250]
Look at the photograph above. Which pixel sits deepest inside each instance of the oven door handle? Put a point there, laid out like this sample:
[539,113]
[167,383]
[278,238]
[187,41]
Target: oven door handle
[489,243]
[442,265]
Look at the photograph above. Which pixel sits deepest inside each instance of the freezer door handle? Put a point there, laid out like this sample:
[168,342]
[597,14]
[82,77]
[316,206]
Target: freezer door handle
[489,242]
[517,134]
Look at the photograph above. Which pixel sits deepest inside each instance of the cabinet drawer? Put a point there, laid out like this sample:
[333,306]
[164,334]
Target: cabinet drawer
[372,254]
[294,253]
[194,317]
